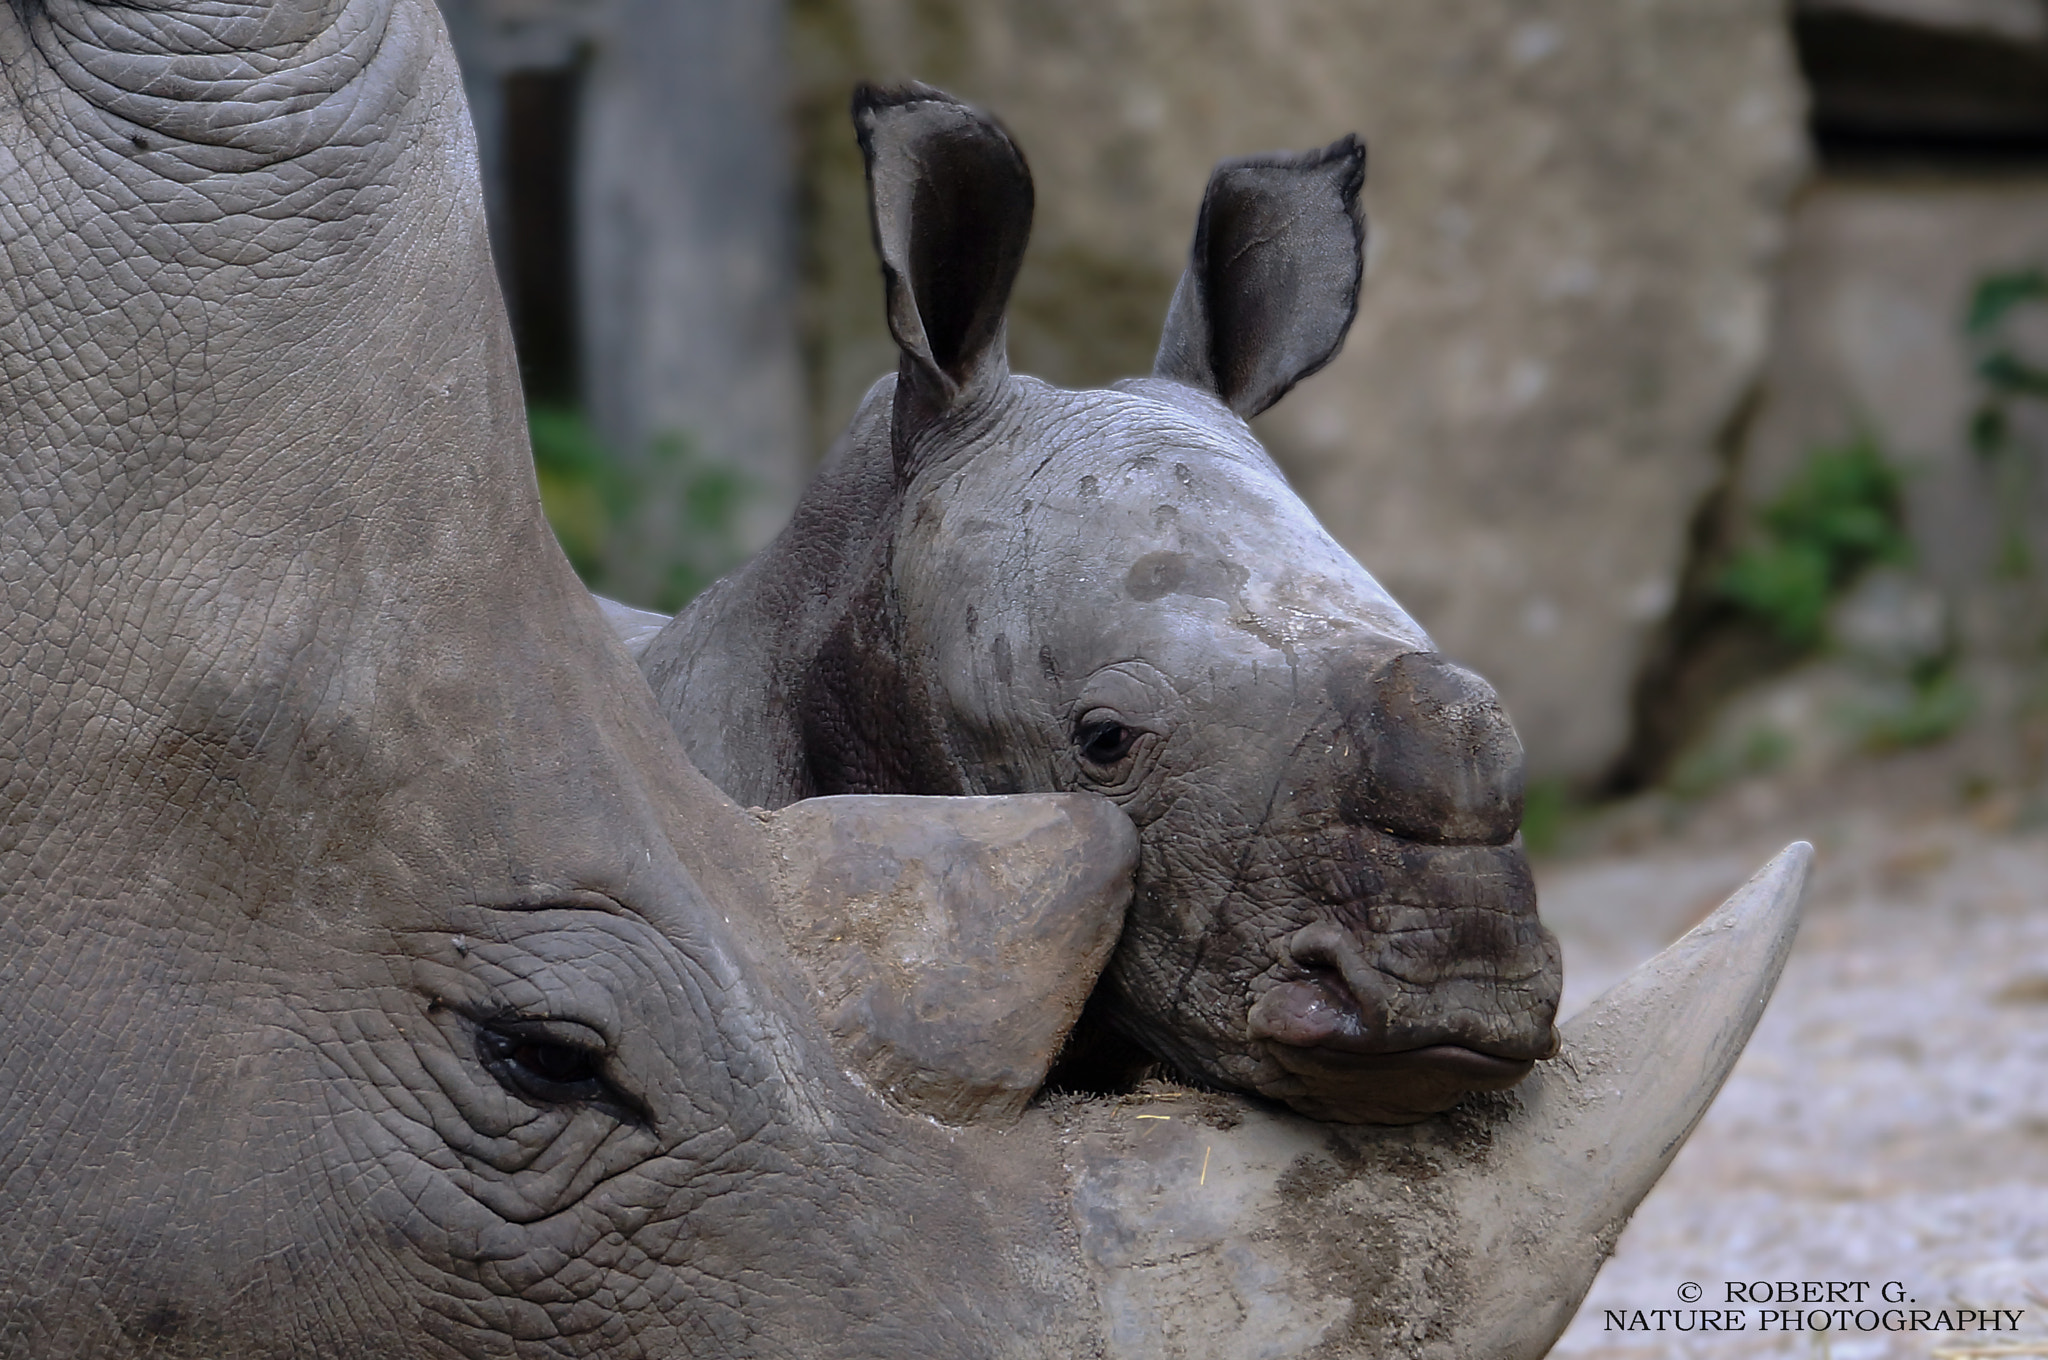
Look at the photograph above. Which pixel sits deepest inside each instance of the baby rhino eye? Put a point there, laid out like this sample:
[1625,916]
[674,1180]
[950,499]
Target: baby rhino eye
[1104,741]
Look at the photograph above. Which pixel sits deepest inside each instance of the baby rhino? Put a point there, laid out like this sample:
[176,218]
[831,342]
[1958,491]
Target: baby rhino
[999,586]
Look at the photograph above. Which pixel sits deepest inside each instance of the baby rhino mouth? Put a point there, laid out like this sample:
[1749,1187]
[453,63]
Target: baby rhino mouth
[1373,1035]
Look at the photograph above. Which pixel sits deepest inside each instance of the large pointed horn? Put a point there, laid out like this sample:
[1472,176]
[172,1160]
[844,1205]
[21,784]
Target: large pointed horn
[1597,1128]
[1214,1228]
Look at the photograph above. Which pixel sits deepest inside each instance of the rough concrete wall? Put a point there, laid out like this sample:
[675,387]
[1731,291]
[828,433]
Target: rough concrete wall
[687,259]
[1576,206]
[1876,282]
[688,262]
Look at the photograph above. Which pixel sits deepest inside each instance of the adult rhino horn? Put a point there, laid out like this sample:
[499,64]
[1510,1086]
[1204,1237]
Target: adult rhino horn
[1216,1229]
[1637,1070]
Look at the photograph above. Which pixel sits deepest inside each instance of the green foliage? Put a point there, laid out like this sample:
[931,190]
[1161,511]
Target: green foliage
[1937,704]
[712,498]
[599,502]
[1547,809]
[2006,377]
[1716,765]
[1842,512]
[1996,296]
[581,486]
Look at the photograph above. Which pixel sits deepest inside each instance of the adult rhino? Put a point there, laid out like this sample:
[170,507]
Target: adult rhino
[380,979]
[994,585]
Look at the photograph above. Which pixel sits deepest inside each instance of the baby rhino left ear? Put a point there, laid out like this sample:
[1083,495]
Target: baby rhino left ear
[950,198]
[1272,281]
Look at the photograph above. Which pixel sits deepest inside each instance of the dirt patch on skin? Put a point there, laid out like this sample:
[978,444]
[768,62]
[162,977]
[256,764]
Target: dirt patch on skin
[1397,1262]
[1367,1266]
[2023,991]
[1471,1122]
[1310,1238]
[1409,1282]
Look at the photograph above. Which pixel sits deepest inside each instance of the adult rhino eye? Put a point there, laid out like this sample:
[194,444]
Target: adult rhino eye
[1104,741]
[553,1062]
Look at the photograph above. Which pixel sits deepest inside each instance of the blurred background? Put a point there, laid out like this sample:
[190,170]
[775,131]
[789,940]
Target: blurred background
[1696,395]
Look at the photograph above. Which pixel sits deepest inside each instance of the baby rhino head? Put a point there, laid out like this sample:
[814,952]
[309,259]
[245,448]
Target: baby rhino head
[1115,590]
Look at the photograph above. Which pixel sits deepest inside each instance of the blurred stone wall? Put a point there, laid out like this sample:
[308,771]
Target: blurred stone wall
[1882,268]
[1576,210]
[685,257]
[688,251]
[1933,119]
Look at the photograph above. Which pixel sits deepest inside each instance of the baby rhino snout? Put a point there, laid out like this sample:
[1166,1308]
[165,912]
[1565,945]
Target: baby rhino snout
[1441,761]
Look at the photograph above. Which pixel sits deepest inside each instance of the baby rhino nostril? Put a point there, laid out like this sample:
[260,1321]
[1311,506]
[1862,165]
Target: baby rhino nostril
[1442,763]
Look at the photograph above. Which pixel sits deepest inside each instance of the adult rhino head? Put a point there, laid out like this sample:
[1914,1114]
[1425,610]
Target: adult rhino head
[995,585]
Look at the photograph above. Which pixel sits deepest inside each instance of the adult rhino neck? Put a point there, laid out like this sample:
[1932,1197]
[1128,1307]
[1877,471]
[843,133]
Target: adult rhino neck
[258,391]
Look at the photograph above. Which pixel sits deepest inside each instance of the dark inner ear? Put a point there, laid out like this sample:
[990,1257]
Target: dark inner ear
[1272,282]
[950,199]
[963,256]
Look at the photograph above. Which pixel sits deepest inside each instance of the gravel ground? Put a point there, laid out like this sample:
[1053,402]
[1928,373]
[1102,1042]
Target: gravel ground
[1889,1120]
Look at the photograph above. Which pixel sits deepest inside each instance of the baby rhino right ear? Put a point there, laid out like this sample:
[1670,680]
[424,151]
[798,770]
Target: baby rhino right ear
[1272,281]
[950,199]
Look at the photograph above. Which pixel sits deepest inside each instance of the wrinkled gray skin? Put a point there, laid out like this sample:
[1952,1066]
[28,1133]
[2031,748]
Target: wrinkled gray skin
[995,585]
[379,979]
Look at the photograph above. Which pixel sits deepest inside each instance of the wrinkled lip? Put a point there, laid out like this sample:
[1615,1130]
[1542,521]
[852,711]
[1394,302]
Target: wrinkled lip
[1391,1088]
[1319,1013]
[1344,1070]
[1468,1068]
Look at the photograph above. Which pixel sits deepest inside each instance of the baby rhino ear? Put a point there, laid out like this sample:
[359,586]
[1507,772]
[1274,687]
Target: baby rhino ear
[949,197]
[1272,282]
